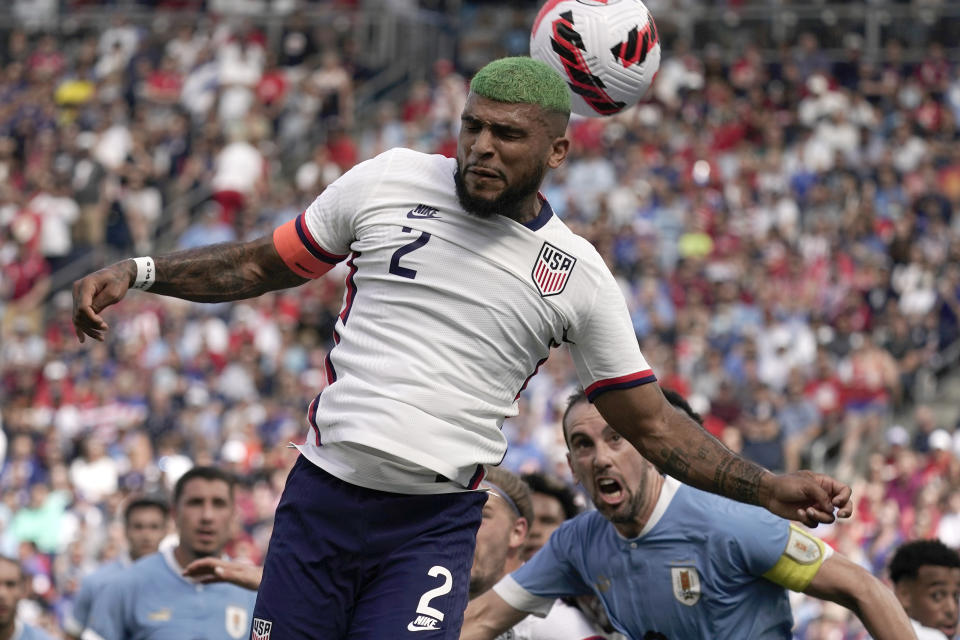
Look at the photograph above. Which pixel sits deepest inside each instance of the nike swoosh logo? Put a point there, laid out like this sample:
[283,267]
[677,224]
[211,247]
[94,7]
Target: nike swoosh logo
[414,627]
[411,214]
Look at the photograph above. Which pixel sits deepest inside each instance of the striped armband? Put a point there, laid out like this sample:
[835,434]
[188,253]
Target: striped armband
[300,252]
[800,561]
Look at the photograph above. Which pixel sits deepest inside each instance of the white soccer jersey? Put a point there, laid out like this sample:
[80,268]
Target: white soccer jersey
[445,317]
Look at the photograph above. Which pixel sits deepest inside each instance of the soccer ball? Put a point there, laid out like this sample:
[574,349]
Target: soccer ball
[607,51]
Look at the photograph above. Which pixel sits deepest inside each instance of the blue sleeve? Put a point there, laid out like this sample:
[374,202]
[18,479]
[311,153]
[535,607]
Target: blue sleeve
[551,572]
[755,537]
[109,612]
[76,622]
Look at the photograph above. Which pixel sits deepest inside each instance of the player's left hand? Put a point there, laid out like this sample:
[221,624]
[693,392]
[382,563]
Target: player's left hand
[811,498]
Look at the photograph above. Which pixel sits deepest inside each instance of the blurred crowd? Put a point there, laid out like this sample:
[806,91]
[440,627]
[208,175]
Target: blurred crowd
[786,230]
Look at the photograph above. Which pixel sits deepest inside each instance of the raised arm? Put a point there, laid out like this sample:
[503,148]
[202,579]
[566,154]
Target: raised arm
[488,616]
[840,580]
[680,447]
[215,273]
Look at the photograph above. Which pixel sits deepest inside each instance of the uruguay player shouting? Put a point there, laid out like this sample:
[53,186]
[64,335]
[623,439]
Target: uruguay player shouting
[670,562]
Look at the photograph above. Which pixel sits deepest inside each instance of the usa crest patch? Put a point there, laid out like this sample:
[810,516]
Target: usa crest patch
[261,629]
[686,585]
[552,270]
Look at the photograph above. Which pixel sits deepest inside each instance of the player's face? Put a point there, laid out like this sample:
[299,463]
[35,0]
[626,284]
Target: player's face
[145,529]
[499,532]
[503,152]
[547,516]
[203,516]
[932,598]
[11,591]
[622,483]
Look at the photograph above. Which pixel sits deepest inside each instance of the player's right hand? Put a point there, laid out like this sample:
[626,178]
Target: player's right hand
[210,569]
[96,292]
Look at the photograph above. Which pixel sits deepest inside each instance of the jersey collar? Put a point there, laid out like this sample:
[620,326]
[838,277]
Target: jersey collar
[171,560]
[546,212]
[669,489]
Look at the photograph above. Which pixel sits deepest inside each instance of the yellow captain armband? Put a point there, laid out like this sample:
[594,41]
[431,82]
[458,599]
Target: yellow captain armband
[800,561]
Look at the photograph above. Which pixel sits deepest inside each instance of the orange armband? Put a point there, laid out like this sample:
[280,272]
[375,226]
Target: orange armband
[301,252]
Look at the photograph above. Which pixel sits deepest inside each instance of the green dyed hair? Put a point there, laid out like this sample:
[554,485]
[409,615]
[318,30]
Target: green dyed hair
[522,80]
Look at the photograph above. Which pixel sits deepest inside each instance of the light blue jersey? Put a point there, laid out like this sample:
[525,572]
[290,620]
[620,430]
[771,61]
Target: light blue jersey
[76,622]
[23,631]
[152,600]
[694,572]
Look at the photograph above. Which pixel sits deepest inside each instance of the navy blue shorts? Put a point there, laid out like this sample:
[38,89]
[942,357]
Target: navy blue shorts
[346,562]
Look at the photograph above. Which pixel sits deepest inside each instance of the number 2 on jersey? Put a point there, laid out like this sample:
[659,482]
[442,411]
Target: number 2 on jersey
[395,267]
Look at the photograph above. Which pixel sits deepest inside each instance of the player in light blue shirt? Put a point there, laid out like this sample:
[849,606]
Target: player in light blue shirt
[670,562]
[152,599]
[13,588]
[144,525]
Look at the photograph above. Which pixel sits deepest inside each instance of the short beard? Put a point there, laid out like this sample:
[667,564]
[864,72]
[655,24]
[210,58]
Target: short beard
[507,204]
[628,516]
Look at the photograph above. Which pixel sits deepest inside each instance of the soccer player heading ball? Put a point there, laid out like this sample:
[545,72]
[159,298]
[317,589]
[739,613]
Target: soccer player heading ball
[461,280]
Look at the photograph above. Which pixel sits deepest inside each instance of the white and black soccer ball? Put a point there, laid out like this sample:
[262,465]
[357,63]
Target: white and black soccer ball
[607,51]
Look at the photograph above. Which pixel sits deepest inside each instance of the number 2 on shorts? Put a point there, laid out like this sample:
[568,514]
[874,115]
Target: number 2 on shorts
[424,608]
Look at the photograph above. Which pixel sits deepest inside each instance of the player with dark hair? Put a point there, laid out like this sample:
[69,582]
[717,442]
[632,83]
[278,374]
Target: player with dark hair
[144,526]
[458,271]
[152,599]
[13,588]
[553,502]
[670,562]
[926,579]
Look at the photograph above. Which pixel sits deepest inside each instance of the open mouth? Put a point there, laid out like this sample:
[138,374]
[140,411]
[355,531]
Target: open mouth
[609,490]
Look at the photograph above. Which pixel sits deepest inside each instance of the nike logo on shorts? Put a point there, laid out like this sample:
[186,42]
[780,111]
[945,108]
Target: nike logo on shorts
[423,623]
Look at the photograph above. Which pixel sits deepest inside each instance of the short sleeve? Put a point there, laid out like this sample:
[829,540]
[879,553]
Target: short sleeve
[546,576]
[321,236]
[758,537]
[107,619]
[604,346]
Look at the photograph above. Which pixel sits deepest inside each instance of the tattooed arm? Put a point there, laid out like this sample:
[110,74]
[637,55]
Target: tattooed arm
[216,273]
[680,447]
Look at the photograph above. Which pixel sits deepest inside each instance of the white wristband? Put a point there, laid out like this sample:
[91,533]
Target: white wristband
[146,273]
